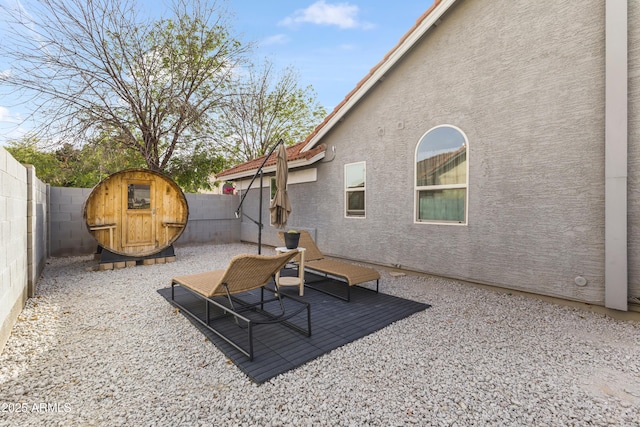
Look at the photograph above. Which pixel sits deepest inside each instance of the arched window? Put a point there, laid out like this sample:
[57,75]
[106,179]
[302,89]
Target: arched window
[441,176]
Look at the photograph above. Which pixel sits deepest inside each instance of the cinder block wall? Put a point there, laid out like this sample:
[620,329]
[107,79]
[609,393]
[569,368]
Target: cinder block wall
[13,242]
[37,227]
[68,232]
[211,220]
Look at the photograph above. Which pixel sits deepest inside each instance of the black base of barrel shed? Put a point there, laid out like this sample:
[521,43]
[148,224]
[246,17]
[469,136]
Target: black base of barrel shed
[106,256]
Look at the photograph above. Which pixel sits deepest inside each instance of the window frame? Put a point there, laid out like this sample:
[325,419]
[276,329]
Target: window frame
[135,185]
[417,189]
[348,190]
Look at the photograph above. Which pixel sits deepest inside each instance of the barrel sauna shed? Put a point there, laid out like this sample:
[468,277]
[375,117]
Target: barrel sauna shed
[135,214]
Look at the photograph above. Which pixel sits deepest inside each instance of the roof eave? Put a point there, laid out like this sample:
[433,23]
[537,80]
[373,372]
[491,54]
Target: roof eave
[298,163]
[434,15]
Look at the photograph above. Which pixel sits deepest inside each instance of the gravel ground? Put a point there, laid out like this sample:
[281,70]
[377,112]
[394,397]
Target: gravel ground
[104,348]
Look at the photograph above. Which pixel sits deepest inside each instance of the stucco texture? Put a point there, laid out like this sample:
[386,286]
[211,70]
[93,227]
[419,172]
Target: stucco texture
[525,82]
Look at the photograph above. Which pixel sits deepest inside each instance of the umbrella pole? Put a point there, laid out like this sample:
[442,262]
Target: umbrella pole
[259,171]
[260,216]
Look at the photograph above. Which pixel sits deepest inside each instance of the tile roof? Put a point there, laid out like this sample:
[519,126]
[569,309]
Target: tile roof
[293,154]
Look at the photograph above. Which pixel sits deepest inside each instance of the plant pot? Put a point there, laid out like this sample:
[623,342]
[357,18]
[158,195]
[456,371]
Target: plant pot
[291,240]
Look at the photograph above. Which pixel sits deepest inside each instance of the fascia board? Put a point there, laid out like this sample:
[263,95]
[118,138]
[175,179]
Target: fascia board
[272,168]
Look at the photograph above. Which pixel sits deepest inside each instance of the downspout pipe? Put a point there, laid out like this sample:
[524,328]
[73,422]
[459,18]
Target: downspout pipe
[616,140]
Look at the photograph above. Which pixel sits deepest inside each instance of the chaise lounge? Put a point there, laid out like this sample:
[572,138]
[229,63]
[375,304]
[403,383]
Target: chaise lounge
[219,289]
[316,263]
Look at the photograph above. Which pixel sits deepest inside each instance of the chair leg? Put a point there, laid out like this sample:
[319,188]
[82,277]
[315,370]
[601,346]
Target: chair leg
[247,352]
[233,308]
[250,337]
[279,298]
[249,349]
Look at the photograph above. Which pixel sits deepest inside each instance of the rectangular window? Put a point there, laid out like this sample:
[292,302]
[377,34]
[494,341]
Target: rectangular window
[139,196]
[442,205]
[354,188]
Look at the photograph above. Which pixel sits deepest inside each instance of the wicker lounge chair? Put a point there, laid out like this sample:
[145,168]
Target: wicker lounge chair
[219,289]
[317,263]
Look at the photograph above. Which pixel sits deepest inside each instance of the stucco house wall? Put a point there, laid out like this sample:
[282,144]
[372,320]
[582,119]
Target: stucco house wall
[525,82]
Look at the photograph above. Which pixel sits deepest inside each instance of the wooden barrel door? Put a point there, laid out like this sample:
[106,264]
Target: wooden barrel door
[138,215]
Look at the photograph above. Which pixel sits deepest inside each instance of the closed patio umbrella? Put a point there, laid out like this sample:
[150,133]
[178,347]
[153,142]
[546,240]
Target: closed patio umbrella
[280,206]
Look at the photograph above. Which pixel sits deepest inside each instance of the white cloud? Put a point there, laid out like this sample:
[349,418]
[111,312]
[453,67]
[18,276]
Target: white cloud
[276,39]
[348,47]
[4,113]
[12,4]
[343,15]
[10,126]
[12,134]
[7,117]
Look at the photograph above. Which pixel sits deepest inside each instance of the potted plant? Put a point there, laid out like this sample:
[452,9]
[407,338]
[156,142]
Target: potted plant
[291,239]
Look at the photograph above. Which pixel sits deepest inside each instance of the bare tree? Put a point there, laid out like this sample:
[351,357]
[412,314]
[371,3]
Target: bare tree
[96,67]
[264,107]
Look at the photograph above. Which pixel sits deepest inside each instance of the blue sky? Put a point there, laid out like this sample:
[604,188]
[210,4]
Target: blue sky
[332,44]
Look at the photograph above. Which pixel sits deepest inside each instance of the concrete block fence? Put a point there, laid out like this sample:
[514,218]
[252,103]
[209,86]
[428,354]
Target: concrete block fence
[23,238]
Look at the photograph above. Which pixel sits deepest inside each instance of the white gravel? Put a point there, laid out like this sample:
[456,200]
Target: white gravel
[104,348]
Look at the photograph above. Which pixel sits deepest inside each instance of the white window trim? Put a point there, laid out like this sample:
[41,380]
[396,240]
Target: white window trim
[346,191]
[416,188]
